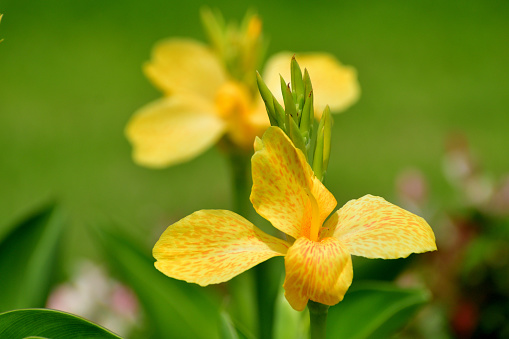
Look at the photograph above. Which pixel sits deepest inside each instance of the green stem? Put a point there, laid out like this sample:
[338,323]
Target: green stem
[318,319]
[241,179]
[240,164]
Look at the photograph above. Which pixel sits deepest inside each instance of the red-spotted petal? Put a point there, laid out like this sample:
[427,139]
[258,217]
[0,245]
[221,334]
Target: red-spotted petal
[374,228]
[283,183]
[213,246]
[320,271]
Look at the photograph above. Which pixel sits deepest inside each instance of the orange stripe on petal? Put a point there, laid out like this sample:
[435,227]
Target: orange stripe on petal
[374,228]
[281,180]
[320,271]
[213,246]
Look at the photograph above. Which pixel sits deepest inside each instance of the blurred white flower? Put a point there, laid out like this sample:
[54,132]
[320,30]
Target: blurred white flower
[93,295]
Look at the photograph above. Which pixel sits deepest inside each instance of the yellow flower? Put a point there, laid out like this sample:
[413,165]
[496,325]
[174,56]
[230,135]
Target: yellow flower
[203,103]
[213,246]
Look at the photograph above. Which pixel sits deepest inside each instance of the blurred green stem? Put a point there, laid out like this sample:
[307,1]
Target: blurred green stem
[318,319]
[241,179]
[240,164]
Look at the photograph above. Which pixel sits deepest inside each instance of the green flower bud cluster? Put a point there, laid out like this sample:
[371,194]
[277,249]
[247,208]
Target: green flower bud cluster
[240,47]
[296,119]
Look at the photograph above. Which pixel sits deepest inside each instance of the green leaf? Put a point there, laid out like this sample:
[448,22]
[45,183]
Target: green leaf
[46,323]
[386,270]
[28,257]
[173,307]
[228,331]
[288,323]
[374,310]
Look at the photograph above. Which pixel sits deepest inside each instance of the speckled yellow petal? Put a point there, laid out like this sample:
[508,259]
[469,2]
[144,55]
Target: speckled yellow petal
[213,246]
[374,228]
[320,271]
[333,83]
[282,182]
[185,66]
[173,130]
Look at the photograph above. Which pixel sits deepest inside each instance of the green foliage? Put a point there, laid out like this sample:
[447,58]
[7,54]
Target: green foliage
[228,331]
[45,323]
[28,256]
[386,270]
[173,308]
[288,323]
[374,310]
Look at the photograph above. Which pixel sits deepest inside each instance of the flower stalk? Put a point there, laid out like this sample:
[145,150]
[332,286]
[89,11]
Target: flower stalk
[318,317]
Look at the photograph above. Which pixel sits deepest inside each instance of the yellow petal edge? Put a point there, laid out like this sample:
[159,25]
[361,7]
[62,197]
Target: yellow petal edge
[173,130]
[320,271]
[213,246]
[374,228]
[282,180]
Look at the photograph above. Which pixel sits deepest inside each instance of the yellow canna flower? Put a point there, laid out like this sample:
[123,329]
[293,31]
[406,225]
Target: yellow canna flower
[213,246]
[203,102]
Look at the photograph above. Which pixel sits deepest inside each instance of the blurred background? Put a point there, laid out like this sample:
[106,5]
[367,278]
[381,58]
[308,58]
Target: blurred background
[434,81]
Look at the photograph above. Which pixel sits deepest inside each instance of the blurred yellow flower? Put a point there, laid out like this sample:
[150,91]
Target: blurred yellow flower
[213,246]
[203,101]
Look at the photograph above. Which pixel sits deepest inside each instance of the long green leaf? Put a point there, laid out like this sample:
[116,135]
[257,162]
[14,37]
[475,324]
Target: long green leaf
[46,323]
[288,323]
[228,330]
[28,256]
[374,310]
[173,308]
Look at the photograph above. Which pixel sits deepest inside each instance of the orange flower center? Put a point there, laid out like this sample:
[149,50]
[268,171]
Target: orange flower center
[232,99]
[315,218]
[235,105]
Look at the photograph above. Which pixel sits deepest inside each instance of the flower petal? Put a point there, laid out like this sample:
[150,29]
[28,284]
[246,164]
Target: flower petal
[374,228]
[320,271]
[282,180]
[213,246]
[333,84]
[173,130]
[185,66]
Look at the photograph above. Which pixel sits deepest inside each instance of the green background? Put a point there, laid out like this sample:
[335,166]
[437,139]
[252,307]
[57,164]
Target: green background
[70,78]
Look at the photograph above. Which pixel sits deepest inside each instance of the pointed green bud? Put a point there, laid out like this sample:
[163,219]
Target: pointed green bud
[306,121]
[288,100]
[308,88]
[327,130]
[318,154]
[214,26]
[297,84]
[268,99]
[322,147]
[297,138]
[281,117]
